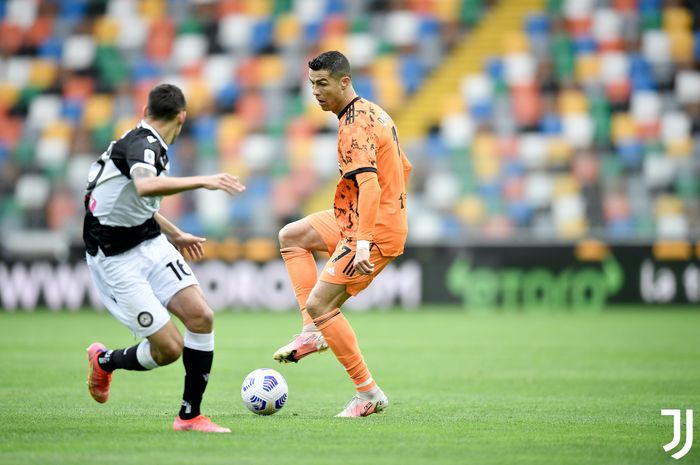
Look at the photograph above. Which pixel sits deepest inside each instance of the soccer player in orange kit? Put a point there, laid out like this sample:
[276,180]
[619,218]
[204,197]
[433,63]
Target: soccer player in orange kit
[365,230]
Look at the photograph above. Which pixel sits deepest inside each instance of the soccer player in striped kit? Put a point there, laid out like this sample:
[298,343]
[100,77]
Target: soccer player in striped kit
[134,257]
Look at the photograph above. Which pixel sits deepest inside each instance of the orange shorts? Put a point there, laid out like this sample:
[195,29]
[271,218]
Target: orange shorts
[340,269]
[325,225]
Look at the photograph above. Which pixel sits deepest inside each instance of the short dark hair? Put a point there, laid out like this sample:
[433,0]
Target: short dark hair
[334,62]
[165,101]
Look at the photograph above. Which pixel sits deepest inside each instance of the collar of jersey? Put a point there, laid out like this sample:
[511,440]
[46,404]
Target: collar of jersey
[144,124]
[340,115]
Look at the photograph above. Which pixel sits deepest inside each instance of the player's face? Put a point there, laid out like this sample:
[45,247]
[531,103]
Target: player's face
[327,90]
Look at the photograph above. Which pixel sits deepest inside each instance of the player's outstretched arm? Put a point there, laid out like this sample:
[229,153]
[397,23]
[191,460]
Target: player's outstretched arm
[184,242]
[148,184]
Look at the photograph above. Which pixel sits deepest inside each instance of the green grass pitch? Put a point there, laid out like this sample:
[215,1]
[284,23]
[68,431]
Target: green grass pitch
[465,388]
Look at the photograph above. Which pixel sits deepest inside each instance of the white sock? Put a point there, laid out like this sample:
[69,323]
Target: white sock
[309,328]
[199,341]
[143,355]
[372,394]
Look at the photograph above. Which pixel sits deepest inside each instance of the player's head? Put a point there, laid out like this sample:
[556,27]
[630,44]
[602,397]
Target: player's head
[329,74]
[166,105]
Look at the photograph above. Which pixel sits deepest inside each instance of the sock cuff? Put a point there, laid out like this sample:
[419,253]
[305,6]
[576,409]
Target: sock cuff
[143,355]
[199,341]
[365,386]
[324,320]
[309,327]
[293,251]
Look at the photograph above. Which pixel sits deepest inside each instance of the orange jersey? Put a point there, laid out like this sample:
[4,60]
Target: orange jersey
[368,141]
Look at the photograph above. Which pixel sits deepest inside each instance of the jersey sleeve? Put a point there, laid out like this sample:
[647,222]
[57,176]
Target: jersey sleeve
[407,168]
[142,154]
[357,148]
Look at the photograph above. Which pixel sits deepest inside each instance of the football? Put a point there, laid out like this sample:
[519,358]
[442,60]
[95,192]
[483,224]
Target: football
[264,391]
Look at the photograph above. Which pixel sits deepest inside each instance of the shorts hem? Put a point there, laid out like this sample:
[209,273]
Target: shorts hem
[167,300]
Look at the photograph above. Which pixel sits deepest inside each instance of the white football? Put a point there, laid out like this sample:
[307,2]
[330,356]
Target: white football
[264,391]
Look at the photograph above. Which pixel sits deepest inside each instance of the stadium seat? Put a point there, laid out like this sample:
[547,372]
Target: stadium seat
[603,94]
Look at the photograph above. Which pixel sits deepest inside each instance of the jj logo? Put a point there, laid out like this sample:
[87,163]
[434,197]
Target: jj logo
[676,414]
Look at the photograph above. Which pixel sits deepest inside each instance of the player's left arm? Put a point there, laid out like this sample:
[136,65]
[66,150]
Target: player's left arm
[184,242]
[367,207]
[407,168]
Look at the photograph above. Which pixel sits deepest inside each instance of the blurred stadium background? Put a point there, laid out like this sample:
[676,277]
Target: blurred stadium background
[556,153]
[547,136]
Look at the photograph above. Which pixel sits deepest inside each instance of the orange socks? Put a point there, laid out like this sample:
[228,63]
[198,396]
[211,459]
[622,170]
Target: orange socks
[341,339]
[302,271]
[337,331]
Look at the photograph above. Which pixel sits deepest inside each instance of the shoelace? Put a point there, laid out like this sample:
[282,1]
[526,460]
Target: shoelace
[308,338]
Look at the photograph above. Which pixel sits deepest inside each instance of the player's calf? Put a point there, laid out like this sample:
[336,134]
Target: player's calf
[102,362]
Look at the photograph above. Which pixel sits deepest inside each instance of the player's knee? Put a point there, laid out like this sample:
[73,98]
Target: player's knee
[324,302]
[201,320]
[314,308]
[289,236]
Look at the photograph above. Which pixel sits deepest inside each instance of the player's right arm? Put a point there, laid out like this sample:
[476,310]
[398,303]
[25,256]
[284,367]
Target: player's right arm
[148,184]
[184,242]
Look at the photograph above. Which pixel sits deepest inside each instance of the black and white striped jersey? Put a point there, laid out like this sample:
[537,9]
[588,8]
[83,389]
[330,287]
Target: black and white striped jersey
[116,217]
